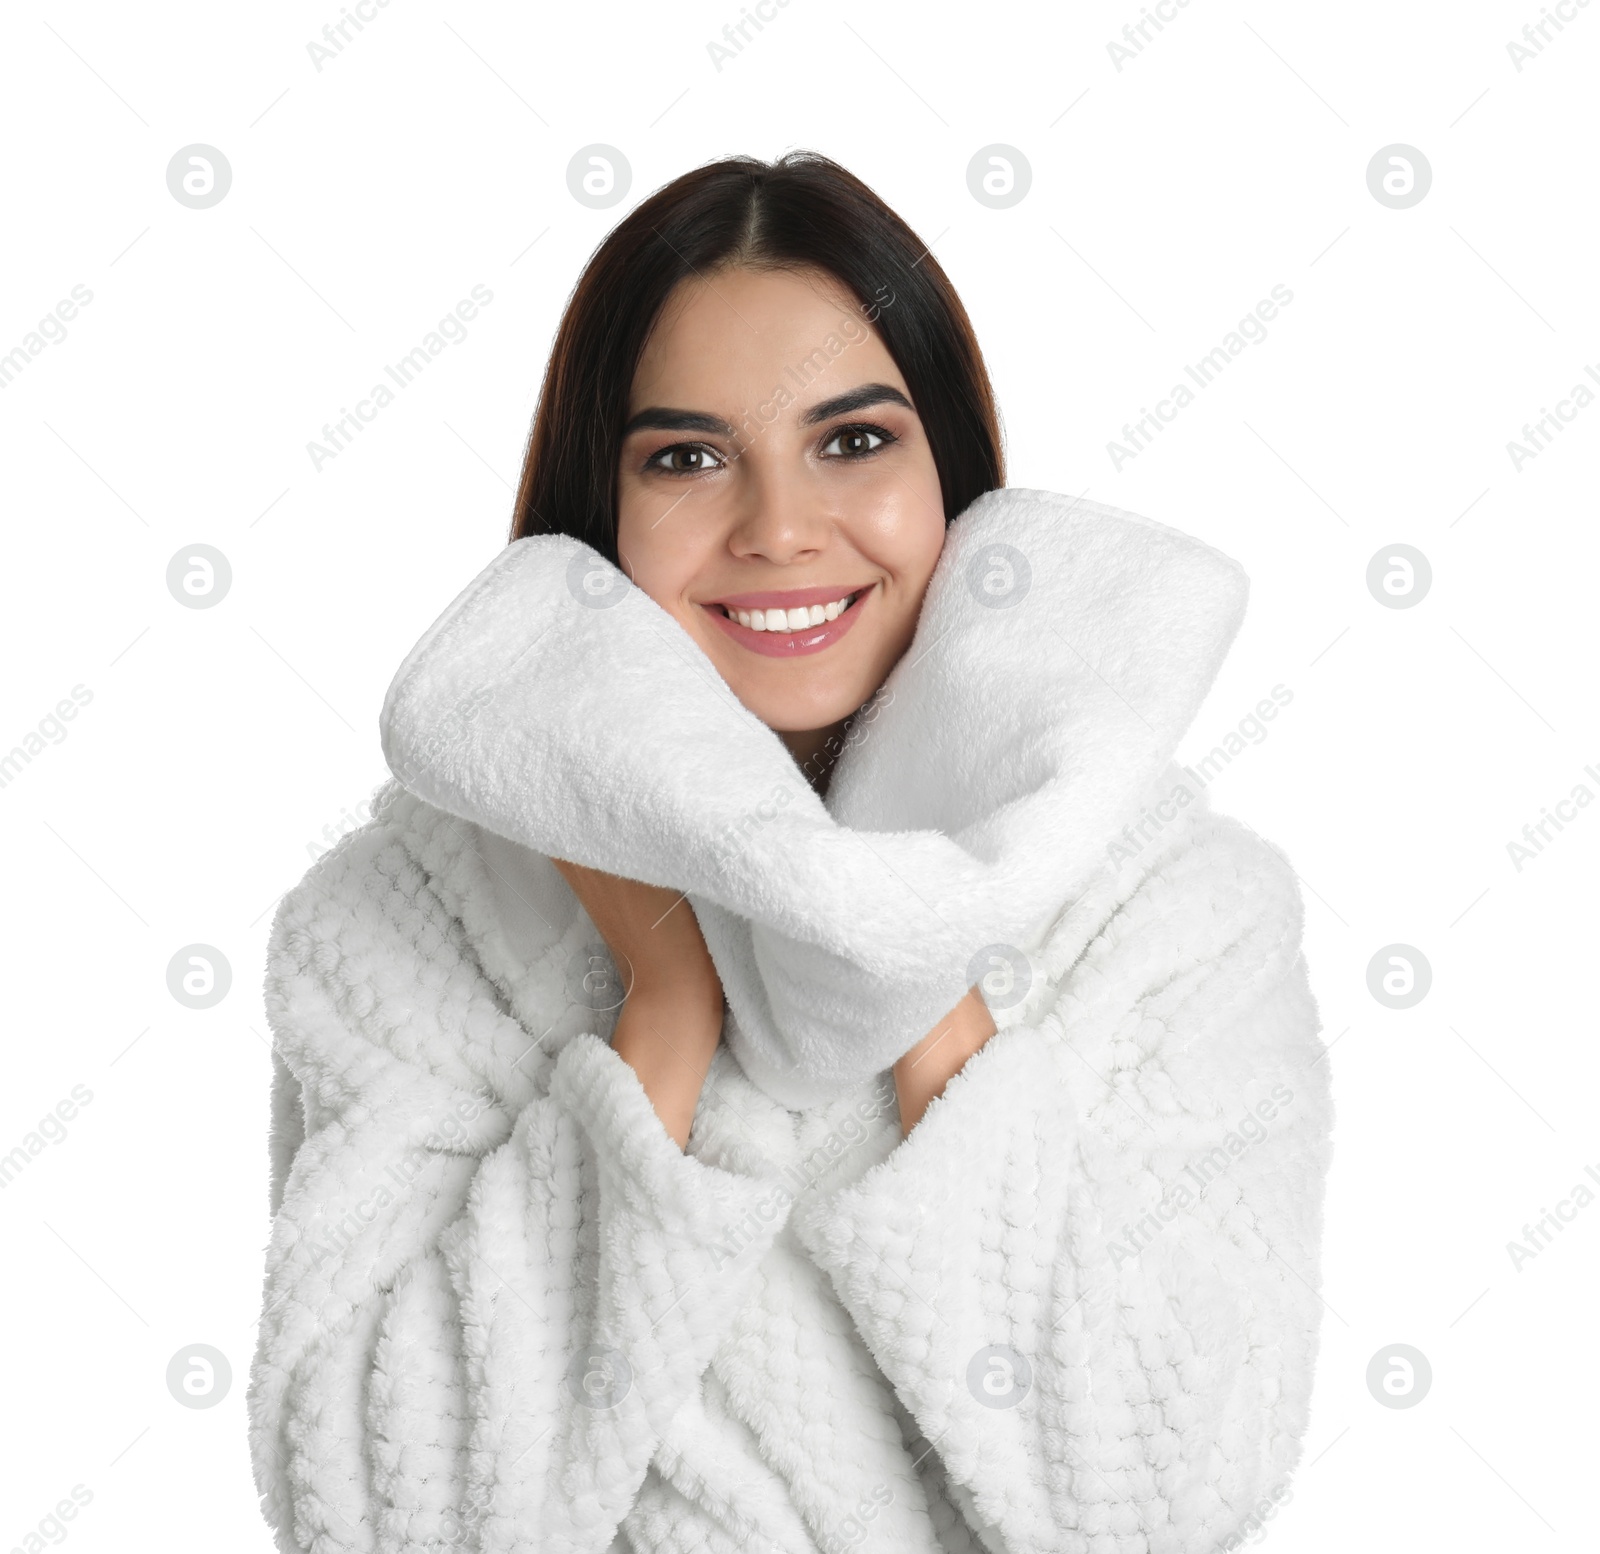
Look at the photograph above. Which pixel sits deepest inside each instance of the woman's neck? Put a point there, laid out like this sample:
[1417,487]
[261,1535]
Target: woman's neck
[815,750]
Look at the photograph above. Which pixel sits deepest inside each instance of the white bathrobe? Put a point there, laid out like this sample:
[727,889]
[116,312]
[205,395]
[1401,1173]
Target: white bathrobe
[1074,1310]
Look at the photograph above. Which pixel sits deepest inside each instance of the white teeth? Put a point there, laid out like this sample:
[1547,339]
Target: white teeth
[791,620]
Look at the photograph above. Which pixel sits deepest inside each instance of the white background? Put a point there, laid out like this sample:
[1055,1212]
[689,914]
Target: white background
[223,747]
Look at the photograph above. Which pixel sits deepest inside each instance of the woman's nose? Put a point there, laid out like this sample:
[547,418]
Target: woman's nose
[781,521]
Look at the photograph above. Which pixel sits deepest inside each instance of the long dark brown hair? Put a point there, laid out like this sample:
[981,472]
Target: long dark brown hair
[803,210]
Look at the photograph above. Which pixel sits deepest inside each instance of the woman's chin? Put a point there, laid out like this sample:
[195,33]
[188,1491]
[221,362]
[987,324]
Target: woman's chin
[790,700]
[816,687]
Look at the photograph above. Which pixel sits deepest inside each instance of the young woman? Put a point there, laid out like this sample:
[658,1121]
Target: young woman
[792,1214]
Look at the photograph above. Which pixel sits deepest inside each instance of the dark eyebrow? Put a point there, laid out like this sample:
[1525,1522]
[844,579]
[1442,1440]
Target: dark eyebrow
[659,418]
[855,399]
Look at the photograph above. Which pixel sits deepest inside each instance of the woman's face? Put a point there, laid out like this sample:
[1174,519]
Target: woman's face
[773,470]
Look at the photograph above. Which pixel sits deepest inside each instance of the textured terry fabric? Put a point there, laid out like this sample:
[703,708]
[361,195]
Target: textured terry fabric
[1062,650]
[504,1312]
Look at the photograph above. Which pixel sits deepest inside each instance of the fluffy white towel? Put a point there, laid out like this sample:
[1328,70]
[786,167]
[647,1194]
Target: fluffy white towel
[1062,651]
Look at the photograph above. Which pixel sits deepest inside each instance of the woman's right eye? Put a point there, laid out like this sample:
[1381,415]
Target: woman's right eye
[684,458]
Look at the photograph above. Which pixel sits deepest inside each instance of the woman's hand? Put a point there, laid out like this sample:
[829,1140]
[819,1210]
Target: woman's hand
[671,1018]
[925,1070]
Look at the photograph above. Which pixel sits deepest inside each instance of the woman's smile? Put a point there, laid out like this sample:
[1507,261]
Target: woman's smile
[782,623]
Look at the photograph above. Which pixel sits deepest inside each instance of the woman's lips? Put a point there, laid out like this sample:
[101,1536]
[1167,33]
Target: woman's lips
[789,644]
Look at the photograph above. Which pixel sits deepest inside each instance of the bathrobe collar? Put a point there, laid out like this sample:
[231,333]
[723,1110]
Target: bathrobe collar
[1062,650]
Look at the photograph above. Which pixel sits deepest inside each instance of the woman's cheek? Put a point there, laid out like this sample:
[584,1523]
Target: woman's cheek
[655,561]
[904,532]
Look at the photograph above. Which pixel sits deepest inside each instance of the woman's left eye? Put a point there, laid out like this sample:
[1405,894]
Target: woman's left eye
[855,435]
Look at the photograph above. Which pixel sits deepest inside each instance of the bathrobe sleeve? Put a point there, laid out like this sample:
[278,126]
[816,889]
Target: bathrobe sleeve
[486,1294]
[1090,1270]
